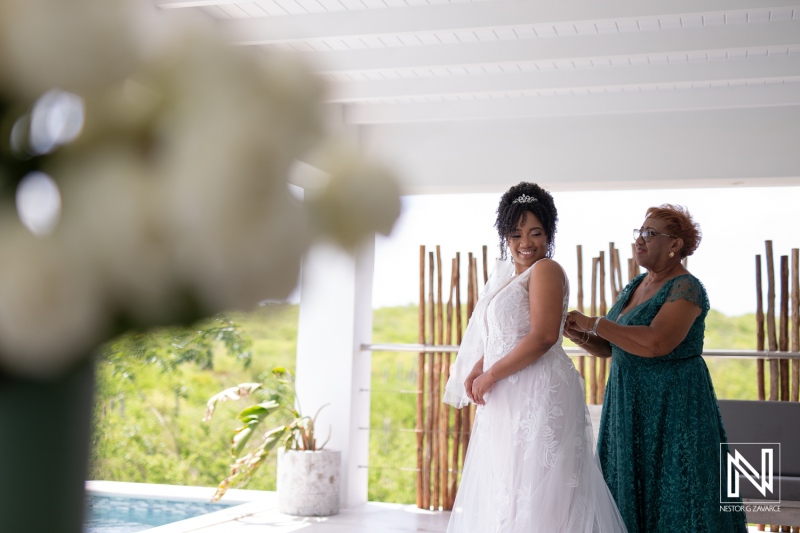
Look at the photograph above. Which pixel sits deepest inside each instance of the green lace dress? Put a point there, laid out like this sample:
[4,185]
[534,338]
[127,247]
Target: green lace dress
[661,429]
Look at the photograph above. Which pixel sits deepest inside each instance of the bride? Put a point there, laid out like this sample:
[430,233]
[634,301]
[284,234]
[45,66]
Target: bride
[530,465]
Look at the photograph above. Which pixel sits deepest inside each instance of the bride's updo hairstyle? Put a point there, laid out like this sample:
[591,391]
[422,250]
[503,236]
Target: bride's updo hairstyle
[515,205]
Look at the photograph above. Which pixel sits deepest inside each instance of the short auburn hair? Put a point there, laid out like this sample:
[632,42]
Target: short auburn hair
[680,224]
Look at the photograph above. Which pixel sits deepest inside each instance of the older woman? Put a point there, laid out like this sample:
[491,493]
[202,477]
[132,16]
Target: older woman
[661,431]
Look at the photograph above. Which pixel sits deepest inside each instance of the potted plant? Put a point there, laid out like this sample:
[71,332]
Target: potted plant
[308,475]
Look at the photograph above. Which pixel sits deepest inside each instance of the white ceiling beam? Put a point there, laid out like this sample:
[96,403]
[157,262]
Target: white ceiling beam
[580,47]
[464,15]
[768,95]
[770,67]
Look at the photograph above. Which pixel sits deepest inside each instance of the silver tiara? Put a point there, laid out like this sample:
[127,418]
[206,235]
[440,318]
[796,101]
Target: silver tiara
[525,199]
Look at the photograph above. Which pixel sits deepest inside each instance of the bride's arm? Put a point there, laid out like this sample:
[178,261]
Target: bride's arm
[546,293]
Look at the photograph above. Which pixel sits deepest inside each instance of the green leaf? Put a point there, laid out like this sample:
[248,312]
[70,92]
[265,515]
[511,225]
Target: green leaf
[240,439]
[258,411]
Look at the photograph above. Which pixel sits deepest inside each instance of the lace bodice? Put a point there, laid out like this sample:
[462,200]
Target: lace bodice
[500,319]
[508,316]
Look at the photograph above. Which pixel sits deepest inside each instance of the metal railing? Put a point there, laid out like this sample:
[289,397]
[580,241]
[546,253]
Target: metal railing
[451,348]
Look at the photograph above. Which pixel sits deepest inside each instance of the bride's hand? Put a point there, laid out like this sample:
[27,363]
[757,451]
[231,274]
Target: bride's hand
[477,370]
[480,387]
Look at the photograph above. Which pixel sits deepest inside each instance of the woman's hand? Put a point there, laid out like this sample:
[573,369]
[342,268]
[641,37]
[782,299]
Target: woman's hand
[477,370]
[575,335]
[578,322]
[480,387]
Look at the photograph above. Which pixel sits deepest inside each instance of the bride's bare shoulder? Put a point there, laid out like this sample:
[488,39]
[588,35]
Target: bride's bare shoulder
[547,268]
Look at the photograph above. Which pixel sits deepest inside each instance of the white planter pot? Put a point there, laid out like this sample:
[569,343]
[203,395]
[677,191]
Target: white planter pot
[308,482]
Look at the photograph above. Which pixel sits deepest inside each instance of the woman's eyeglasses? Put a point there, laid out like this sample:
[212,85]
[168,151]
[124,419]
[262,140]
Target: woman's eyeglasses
[648,234]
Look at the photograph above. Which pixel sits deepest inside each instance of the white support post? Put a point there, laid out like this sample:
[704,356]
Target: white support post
[335,320]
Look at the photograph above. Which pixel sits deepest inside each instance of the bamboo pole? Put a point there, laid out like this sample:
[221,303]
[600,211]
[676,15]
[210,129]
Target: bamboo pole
[426,476]
[421,377]
[593,312]
[759,330]
[613,269]
[459,331]
[636,270]
[771,333]
[485,265]
[470,277]
[602,284]
[795,323]
[457,414]
[619,273]
[475,296]
[783,344]
[466,412]
[581,358]
[469,410]
[474,283]
[436,378]
[601,372]
[445,420]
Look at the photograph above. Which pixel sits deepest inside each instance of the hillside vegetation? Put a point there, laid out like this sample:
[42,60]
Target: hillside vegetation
[150,402]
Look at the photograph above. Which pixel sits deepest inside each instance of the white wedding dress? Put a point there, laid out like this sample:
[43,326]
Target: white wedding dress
[530,465]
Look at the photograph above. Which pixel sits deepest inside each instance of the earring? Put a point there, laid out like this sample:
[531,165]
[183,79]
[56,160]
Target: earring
[671,255]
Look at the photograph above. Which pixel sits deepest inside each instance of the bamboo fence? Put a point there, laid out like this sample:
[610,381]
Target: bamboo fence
[784,377]
[784,384]
[596,375]
[442,433]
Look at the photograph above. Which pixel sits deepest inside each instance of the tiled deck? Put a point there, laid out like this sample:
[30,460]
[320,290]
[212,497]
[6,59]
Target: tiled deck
[369,518]
[257,513]
[262,517]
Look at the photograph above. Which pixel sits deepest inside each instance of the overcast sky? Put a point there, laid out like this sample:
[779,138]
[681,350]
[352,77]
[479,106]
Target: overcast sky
[735,223]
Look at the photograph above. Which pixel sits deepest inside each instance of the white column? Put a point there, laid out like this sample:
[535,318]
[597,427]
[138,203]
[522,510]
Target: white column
[335,319]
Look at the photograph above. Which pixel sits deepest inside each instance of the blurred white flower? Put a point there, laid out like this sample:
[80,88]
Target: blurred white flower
[56,119]
[172,159]
[50,310]
[113,218]
[38,203]
[224,153]
[76,46]
[360,198]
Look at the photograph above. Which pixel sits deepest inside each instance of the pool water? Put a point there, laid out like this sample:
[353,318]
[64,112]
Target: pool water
[114,514]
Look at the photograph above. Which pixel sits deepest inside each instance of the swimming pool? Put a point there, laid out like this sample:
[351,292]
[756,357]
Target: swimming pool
[115,507]
[113,514]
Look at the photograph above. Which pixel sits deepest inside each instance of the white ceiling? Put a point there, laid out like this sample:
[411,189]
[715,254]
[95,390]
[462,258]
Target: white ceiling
[424,82]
